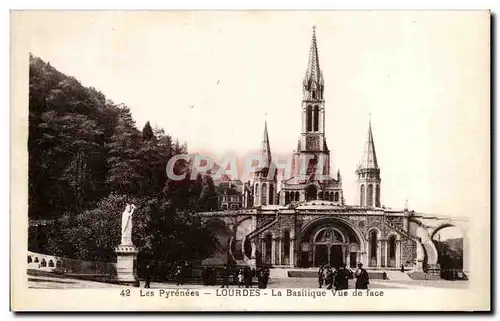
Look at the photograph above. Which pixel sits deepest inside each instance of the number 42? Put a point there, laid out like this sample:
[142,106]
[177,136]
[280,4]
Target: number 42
[125,292]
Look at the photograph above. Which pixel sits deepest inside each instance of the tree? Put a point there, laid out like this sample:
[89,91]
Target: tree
[87,160]
[124,159]
[147,132]
[161,233]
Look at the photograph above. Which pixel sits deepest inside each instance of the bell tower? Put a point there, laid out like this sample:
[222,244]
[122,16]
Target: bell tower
[368,173]
[265,184]
[312,140]
[310,177]
[313,104]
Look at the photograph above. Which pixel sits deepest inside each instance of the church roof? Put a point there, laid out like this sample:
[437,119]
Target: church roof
[266,149]
[314,76]
[369,159]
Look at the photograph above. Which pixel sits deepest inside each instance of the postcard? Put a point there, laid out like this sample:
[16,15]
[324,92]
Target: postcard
[250,160]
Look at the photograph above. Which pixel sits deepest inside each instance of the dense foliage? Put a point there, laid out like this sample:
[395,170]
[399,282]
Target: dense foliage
[87,159]
[450,253]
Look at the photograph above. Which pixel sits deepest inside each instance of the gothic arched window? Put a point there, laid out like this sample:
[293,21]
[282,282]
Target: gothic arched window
[309,117]
[316,118]
[369,196]
[377,196]
[268,240]
[392,251]
[263,195]
[271,194]
[373,248]
[362,195]
[286,247]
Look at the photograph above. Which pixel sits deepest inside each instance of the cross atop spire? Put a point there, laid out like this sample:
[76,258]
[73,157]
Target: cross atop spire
[266,149]
[313,81]
[370,156]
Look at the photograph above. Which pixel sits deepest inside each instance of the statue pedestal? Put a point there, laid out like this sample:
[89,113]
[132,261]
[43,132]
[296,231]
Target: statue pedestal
[126,265]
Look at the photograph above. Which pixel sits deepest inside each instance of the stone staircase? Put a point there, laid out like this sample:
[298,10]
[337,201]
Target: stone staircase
[239,252]
[313,273]
[397,276]
[428,247]
[401,231]
[267,224]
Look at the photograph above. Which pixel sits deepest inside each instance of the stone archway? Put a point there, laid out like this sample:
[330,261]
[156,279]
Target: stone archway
[222,236]
[452,248]
[244,227]
[329,246]
[267,249]
[393,250]
[330,240]
[374,248]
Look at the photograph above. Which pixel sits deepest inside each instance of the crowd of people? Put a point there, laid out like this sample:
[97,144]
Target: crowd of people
[338,278]
[243,277]
[330,277]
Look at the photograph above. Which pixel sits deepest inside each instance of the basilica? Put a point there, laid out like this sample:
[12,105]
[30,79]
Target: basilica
[303,220]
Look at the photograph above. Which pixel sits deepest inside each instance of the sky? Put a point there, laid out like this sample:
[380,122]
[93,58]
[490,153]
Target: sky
[212,79]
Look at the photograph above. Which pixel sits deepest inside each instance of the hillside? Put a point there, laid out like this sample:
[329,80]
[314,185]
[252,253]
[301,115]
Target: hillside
[87,160]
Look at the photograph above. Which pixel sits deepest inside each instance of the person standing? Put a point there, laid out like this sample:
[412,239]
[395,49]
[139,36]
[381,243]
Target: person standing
[247,275]
[362,277]
[320,276]
[261,278]
[225,277]
[342,278]
[252,273]
[266,276]
[148,277]
[329,277]
[241,279]
[179,275]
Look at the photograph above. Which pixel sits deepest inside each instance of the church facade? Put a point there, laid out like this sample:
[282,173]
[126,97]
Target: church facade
[303,220]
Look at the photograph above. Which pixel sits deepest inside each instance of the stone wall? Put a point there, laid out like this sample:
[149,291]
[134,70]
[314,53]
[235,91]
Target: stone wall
[51,263]
[409,252]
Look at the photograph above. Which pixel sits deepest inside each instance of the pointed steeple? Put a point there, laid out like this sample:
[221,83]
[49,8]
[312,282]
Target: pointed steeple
[266,149]
[369,174]
[369,159]
[313,81]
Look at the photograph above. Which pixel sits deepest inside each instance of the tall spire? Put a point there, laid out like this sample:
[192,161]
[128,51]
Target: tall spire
[370,156]
[313,81]
[266,149]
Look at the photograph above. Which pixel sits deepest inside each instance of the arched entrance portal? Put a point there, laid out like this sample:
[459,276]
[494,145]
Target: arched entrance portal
[329,245]
[391,249]
[330,241]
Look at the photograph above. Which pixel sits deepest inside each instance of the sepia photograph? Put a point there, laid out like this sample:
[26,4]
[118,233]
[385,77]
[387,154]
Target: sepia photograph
[250,160]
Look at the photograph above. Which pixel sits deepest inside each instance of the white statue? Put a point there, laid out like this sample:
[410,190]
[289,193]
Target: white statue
[127,224]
